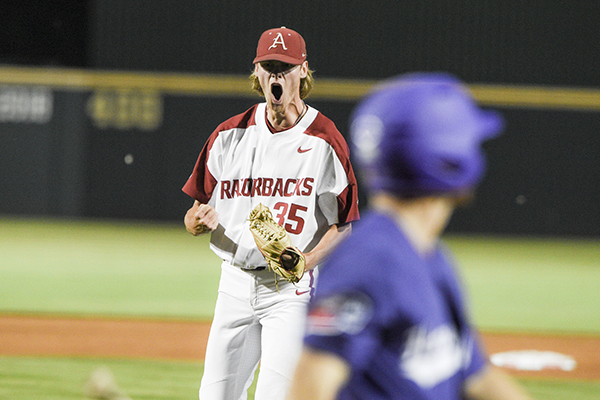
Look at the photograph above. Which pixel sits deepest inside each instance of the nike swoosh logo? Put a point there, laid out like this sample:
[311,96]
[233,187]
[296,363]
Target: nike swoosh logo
[301,150]
[299,293]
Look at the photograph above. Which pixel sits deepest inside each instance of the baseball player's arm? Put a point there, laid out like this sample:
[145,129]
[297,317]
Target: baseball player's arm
[328,242]
[319,376]
[201,218]
[494,384]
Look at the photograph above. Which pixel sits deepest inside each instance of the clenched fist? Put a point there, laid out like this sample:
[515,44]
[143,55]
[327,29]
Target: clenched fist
[201,218]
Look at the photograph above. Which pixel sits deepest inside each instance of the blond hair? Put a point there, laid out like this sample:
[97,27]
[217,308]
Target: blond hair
[306,84]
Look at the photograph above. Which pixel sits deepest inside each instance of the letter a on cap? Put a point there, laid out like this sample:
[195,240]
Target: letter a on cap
[278,40]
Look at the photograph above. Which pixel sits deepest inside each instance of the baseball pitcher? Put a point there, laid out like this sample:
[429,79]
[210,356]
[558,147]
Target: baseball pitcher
[275,188]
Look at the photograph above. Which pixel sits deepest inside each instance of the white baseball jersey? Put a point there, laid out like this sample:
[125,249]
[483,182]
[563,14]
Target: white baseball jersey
[303,174]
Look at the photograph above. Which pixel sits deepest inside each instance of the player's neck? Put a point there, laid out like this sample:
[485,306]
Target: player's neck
[422,220]
[284,118]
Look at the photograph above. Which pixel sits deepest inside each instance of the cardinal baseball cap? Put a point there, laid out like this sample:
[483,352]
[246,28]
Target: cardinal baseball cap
[281,44]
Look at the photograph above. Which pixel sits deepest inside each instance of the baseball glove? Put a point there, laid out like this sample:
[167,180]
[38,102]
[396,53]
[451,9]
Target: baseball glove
[276,246]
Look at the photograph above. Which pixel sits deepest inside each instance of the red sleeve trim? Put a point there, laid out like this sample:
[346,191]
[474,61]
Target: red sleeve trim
[202,183]
[322,127]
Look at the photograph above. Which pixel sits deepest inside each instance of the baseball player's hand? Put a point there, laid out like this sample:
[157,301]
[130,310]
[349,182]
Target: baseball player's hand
[201,218]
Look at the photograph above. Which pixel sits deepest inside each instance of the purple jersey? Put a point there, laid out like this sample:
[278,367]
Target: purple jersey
[396,318]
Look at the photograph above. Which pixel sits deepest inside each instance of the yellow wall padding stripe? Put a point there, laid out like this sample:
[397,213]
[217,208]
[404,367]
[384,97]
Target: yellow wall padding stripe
[510,96]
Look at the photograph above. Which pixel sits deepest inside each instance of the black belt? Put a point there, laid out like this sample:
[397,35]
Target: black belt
[255,269]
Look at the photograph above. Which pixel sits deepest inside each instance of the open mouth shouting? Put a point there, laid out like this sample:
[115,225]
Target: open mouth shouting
[277,92]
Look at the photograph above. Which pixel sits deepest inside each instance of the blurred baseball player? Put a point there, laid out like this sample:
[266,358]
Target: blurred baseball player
[388,320]
[290,158]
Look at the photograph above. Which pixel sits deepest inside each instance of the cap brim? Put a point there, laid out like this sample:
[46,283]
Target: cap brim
[279,57]
[492,123]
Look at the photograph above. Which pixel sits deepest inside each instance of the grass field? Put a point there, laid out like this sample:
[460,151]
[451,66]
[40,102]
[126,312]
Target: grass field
[27,378]
[125,269]
[532,284]
[157,270]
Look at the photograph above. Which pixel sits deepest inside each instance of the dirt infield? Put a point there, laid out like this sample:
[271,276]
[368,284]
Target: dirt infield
[185,340]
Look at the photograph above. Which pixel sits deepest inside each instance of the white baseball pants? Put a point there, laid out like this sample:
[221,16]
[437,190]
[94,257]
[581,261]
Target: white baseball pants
[254,322]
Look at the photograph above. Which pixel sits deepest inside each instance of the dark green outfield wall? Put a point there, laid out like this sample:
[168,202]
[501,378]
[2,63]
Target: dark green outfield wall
[125,153]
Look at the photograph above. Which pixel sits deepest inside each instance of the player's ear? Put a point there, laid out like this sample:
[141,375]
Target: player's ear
[304,69]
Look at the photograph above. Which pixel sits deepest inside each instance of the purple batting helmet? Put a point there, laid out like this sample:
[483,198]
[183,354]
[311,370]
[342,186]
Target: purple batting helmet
[421,134]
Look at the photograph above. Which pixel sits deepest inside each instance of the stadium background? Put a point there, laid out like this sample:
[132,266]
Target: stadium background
[104,106]
[111,125]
